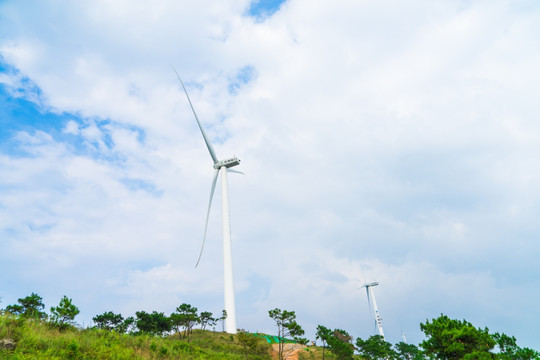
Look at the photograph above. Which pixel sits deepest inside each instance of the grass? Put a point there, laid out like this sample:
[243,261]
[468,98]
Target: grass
[39,340]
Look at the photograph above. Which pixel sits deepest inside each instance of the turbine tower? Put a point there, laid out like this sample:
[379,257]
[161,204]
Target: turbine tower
[219,165]
[371,295]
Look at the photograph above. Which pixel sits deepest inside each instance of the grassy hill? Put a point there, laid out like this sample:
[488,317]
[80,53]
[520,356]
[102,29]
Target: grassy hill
[34,339]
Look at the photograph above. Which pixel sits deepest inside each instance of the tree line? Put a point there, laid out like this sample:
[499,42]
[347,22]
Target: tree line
[31,307]
[183,320]
[445,338]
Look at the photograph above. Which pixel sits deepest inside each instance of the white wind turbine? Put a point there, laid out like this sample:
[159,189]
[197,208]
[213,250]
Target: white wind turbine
[371,295]
[403,336]
[225,165]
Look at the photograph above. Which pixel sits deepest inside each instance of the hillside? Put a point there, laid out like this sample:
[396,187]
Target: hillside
[23,338]
[32,339]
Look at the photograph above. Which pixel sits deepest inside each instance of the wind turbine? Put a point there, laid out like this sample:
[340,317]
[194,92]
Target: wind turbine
[371,295]
[403,336]
[225,165]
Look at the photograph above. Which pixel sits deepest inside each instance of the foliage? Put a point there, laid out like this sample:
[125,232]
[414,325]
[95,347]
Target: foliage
[454,339]
[112,322]
[449,339]
[128,326]
[375,348]
[38,340]
[323,334]
[29,307]
[205,318]
[185,317]
[253,346]
[222,319]
[154,323]
[508,349]
[406,351]
[287,327]
[314,353]
[64,314]
[339,343]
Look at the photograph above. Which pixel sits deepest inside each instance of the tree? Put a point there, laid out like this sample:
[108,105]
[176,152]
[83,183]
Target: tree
[154,323]
[222,319]
[449,339]
[206,319]
[287,326]
[508,349]
[339,343]
[185,317]
[406,351]
[127,326]
[29,307]
[323,334]
[64,314]
[375,348]
[252,345]
[212,323]
[109,321]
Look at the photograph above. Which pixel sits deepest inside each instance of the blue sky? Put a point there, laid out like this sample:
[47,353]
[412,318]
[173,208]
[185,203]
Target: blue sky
[262,9]
[19,113]
[384,142]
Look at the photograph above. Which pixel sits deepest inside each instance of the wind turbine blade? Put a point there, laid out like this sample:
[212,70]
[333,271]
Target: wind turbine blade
[214,180]
[369,304]
[235,171]
[208,145]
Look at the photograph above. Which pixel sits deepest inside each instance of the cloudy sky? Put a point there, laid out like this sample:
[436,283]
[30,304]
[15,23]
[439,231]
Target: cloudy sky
[389,141]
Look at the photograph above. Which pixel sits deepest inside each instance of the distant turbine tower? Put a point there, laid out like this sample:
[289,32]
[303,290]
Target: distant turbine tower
[378,318]
[230,322]
[403,336]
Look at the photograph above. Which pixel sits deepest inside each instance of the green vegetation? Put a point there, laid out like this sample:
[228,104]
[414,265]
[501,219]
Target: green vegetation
[64,314]
[111,321]
[153,324]
[40,340]
[186,317]
[338,342]
[446,339]
[287,327]
[26,332]
[28,307]
[252,344]
[323,334]
[450,339]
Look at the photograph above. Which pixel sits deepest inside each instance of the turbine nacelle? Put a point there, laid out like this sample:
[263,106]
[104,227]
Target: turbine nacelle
[228,163]
[375,283]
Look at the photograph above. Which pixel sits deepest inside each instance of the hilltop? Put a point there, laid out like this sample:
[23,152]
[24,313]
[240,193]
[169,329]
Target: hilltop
[35,339]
